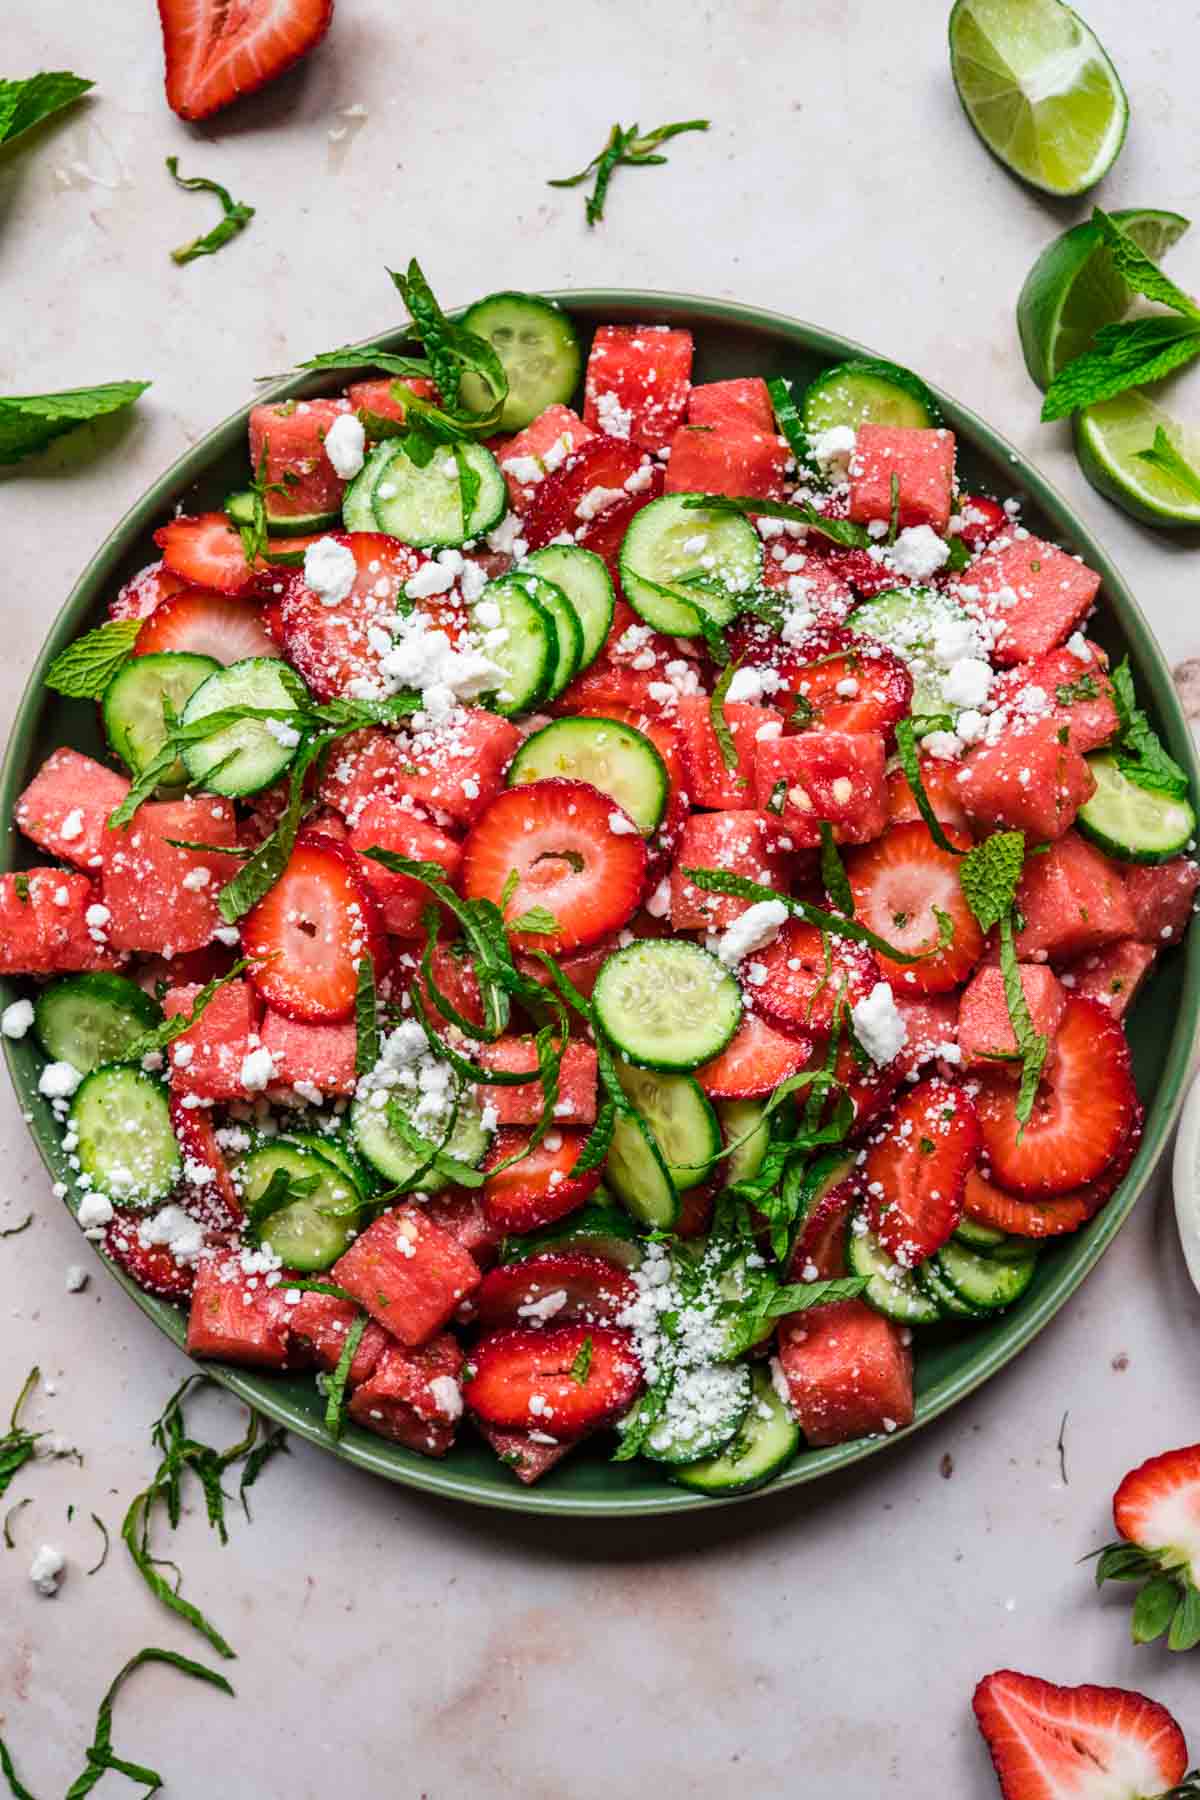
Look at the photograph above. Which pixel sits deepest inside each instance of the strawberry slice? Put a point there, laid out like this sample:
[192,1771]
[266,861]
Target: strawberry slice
[144,592]
[152,1266]
[545,1381]
[542,1186]
[900,882]
[988,1204]
[605,534]
[840,682]
[819,1253]
[206,625]
[982,519]
[916,1169]
[330,645]
[559,1287]
[800,988]
[1077,1743]
[1083,1112]
[207,552]
[858,568]
[208,1192]
[309,933]
[754,1063]
[557,837]
[603,463]
[1157,1507]
[215,52]
[869,1089]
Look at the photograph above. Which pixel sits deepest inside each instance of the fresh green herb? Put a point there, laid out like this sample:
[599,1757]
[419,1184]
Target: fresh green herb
[96,1567]
[787,418]
[29,422]
[335,1408]
[539,920]
[100,1754]
[21,887]
[894,515]
[1138,752]
[272,1443]
[16,1230]
[581,1367]
[25,103]
[255,532]
[1168,1602]
[19,1446]
[777,797]
[366,1016]
[1031,1045]
[989,875]
[833,874]
[628,146]
[720,724]
[159,1037]
[1068,692]
[642,1417]
[84,669]
[839,531]
[283,1189]
[452,352]
[720,881]
[959,557]
[1138,271]
[9,1516]
[699,582]
[1163,455]
[910,762]
[236,215]
[512,882]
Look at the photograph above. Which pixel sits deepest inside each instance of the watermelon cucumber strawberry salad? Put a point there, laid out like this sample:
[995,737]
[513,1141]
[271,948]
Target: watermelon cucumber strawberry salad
[611,904]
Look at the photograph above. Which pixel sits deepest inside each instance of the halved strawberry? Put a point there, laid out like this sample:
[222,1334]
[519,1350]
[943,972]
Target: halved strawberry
[559,1287]
[982,519]
[152,1266]
[603,463]
[1157,1507]
[546,1380]
[145,591]
[556,836]
[916,1169]
[840,682]
[215,52]
[899,884]
[754,1063]
[329,645]
[1077,1743]
[801,988]
[207,1189]
[207,552]
[309,933]
[206,625]
[990,1205]
[1085,1106]
[541,1187]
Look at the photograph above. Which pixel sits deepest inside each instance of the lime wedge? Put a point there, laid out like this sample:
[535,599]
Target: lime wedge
[1040,91]
[1073,288]
[1107,440]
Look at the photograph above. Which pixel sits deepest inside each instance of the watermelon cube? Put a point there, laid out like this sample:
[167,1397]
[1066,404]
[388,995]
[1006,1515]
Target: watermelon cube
[311,1056]
[377,396]
[1037,593]
[638,381]
[413,1396]
[922,462]
[984,1028]
[460,767]
[1072,900]
[848,1372]
[539,450]
[1078,690]
[384,824]
[65,808]
[741,404]
[832,776]
[236,1317]
[293,433]
[1112,975]
[931,1029]
[207,1059]
[408,1273]
[737,461]
[455,979]
[527,1457]
[361,766]
[460,1212]
[748,843]
[709,782]
[1162,899]
[318,1325]
[576,1103]
[1032,779]
[161,898]
[44,927]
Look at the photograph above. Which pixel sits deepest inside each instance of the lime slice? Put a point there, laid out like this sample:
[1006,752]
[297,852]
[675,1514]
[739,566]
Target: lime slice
[1107,439]
[1039,89]
[1073,288]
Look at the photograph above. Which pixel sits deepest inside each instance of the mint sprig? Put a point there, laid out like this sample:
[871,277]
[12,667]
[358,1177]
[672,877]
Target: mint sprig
[29,422]
[235,215]
[18,1446]
[84,669]
[628,146]
[366,1016]
[1137,749]
[25,103]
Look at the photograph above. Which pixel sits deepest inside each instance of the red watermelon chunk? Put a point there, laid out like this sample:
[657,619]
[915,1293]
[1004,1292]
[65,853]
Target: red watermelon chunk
[848,1372]
[812,580]
[741,404]
[747,843]
[408,1273]
[294,434]
[638,381]
[312,1056]
[931,1028]
[1162,899]
[161,898]
[413,1396]
[319,1323]
[207,1059]
[44,926]
[236,1317]
[709,781]
[984,1028]
[835,776]
[460,1212]
[360,766]
[377,396]
[923,463]
[1035,592]
[524,1452]
[539,450]
[576,1103]
[384,824]
[736,460]
[65,808]
[1032,779]
[942,790]
[1077,689]
[458,768]
[1072,900]
[1112,975]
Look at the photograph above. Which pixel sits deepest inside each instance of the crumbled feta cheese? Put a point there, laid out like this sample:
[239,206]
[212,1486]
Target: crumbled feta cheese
[285,735]
[345,442]
[95,1211]
[878,1025]
[330,571]
[72,826]
[447,1396]
[77,1278]
[16,1019]
[58,1081]
[918,552]
[45,1571]
[968,682]
[620,826]
[615,420]
[197,879]
[431,578]
[833,449]
[176,1230]
[597,500]
[759,925]
[258,1069]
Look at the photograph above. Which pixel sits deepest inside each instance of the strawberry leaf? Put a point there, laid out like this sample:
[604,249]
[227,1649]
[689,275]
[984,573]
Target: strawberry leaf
[1154,1609]
[1185,1626]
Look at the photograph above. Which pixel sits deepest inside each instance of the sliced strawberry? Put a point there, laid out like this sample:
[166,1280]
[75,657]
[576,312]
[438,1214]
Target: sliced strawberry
[542,1186]
[754,1063]
[605,534]
[309,933]
[329,645]
[1157,1507]
[840,682]
[868,1088]
[537,1381]
[144,592]
[940,781]
[988,1204]
[1077,1743]
[207,1188]
[206,625]
[560,1287]
[603,463]
[900,882]
[916,1169]
[819,1253]
[153,1266]
[206,550]
[557,837]
[981,520]
[215,52]
[801,987]
[1082,1114]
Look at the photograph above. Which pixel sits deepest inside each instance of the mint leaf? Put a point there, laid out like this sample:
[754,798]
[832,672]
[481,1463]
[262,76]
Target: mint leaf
[26,103]
[160,1036]
[989,875]
[335,1408]
[1128,354]
[787,418]
[906,749]
[84,669]
[538,920]
[1031,1045]
[452,350]
[720,724]
[366,1047]
[236,215]
[1137,750]
[628,146]
[1163,455]
[258,875]
[100,1753]
[581,1367]
[1138,271]
[18,1446]
[839,531]
[833,873]
[29,422]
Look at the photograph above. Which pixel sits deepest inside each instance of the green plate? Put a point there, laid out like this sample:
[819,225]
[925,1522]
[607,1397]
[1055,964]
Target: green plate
[730,340]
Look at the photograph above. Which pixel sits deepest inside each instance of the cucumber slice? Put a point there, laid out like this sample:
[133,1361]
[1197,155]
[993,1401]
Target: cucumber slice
[744,1123]
[568,634]
[681,1118]
[391,1157]
[665,541]
[766,1441]
[599,1228]
[313,1229]
[639,1177]
[358,512]
[985,1283]
[908,621]
[528,652]
[615,758]
[868,391]
[702,1414]
[667,1004]
[537,345]
[423,506]
[239,510]
[985,1240]
[891,1290]
[132,709]
[1130,822]
[89,1020]
[248,756]
[122,1122]
[585,580]
[336,1148]
[946,1298]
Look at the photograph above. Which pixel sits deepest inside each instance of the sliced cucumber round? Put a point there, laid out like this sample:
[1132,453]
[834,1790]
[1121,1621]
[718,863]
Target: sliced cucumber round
[240,510]
[639,1177]
[358,511]
[702,1414]
[392,1158]
[985,1283]
[568,633]
[745,1125]
[680,1116]
[598,1228]
[585,580]
[868,391]
[122,1122]
[668,542]
[946,1298]
[135,702]
[667,1004]
[315,1225]
[89,1020]
[615,758]
[242,758]
[908,621]
[337,1149]
[765,1442]
[891,1290]
[423,505]
[537,345]
[518,634]
[1133,823]
[985,1240]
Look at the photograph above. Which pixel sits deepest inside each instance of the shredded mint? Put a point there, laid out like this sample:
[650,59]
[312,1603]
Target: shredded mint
[160,1036]
[236,215]
[839,531]
[582,1365]
[1031,1045]
[10,1516]
[18,1446]
[628,146]
[16,1230]
[720,724]
[452,351]
[96,1567]
[84,669]
[910,762]
[29,422]
[833,873]
[335,1408]
[721,881]
[787,418]
[539,921]
[366,1018]
[989,875]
